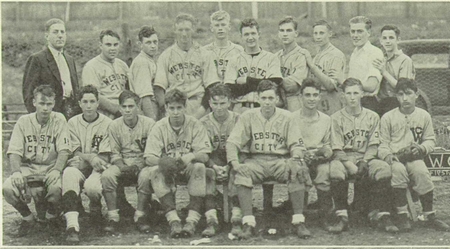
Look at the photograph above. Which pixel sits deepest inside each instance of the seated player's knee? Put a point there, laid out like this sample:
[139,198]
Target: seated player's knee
[109,180]
[93,189]
[241,180]
[379,170]
[144,181]
[198,169]
[418,167]
[54,192]
[337,171]
[10,193]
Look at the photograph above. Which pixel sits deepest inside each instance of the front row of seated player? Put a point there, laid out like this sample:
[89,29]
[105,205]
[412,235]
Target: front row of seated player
[263,143]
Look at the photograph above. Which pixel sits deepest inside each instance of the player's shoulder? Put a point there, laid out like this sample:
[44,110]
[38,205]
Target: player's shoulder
[57,116]
[374,49]
[207,118]
[267,53]
[371,114]
[338,114]
[422,112]
[279,53]
[209,46]
[116,123]
[147,121]
[93,62]
[167,51]
[192,121]
[120,63]
[336,52]
[324,116]
[161,124]
[75,119]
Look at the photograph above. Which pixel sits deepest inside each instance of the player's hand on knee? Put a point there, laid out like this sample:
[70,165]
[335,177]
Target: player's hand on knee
[52,176]
[188,158]
[390,159]
[241,80]
[352,169]
[17,180]
[98,164]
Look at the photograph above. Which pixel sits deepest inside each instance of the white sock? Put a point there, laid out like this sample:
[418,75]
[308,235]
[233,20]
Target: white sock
[28,218]
[172,216]
[236,214]
[193,217]
[342,213]
[114,215]
[211,216]
[297,219]
[138,214]
[250,220]
[49,216]
[72,220]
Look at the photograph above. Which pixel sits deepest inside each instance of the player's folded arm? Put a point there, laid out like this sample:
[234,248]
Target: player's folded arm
[61,160]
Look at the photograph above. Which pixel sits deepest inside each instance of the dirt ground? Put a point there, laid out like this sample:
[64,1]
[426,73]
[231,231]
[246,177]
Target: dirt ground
[359,234]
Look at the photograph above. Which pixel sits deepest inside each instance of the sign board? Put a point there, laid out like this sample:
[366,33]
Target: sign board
[438,164]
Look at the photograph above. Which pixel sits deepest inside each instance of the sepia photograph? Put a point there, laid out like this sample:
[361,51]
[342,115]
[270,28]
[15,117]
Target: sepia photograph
[225,124]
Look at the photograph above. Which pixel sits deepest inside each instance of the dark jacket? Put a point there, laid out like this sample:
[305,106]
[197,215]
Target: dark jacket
[41,69]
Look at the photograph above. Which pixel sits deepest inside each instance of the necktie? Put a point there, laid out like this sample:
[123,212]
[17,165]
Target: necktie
[65,75]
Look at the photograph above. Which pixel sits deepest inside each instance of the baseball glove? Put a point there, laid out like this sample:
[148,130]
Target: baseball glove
[406,154]
[297,169]
[170,167]
[31,181]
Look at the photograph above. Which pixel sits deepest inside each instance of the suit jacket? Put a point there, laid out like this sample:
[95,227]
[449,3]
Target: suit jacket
[41,69]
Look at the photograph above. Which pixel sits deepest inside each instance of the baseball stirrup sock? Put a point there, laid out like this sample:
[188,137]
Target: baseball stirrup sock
[172,216]
[49,216]
[72,220]
[211,215]
[342,213]
[250,220]
[138,214]
[29,217]
[193,216]
[297,219]
[236,214]
[114,215]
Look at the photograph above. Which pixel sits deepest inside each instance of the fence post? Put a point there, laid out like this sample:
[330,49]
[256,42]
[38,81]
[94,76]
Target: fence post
[324,10]
[255,10]
[120,12]
[127,46]
[67,16]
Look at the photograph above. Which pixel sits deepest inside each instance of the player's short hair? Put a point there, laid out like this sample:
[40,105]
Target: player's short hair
[108,32]
[45,90]
[361,19]
[323,23]
[185,17]
[146,31]
[391,27]
[288,19]
[220,15]
[86,90]
[249,22]
[351,82]
[266,85]
[127,94]
[175,96]
[52,21]
[310,82]
[220,90]
[404,83]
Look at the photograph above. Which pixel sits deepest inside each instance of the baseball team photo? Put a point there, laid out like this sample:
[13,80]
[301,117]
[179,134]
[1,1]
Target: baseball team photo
[260,124]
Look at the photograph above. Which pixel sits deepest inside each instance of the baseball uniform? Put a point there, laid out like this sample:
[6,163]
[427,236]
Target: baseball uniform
[398,65]
[269,147]
[315,134]
[38,146]
[221,56]
[192,138]
[293,70]
[399,130]
[263,65]
[188,71]
[128,144]
[109,78]
[143,71]
[332,63]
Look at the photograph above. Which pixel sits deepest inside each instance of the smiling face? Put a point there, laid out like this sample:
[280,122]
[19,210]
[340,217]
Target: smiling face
[389,40]
[183,32]
[250,37]
[56,36]
[353,95]
[109,47]
[150,45]
[310,98]
[321,35]
[220,28]
[287,33]
[129,110]
[359,34]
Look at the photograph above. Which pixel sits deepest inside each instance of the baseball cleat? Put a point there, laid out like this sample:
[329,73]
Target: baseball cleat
[236,228]
[403,224]
[210,230]
[341,225]
[175,229]
[54,226]
[437,224]
[72,236]
[142,225]
[111,226]
[302,231]
[247,232]
[188,230]
[25,227]
[386,224]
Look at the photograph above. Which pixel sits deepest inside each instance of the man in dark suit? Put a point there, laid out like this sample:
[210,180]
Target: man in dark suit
[52,66]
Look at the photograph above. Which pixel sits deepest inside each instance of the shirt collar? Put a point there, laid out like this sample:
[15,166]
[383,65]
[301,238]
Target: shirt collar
[396,54]
[364,47]
[54,52]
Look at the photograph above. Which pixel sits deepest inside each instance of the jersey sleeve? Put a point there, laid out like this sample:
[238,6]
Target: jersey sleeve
[142,76]
[294,136]
[105,145]
[428,137]
[210,75]
[407,69]
[17,144]
[114,142]
[161,77]
[336,69]
[75,142]
[337,136]
[89,77]
[231,73]
[374,133]
[155,144]
[327,137]
[241,133]
[62,134]
[274,67]
[385,138]
[200,143]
